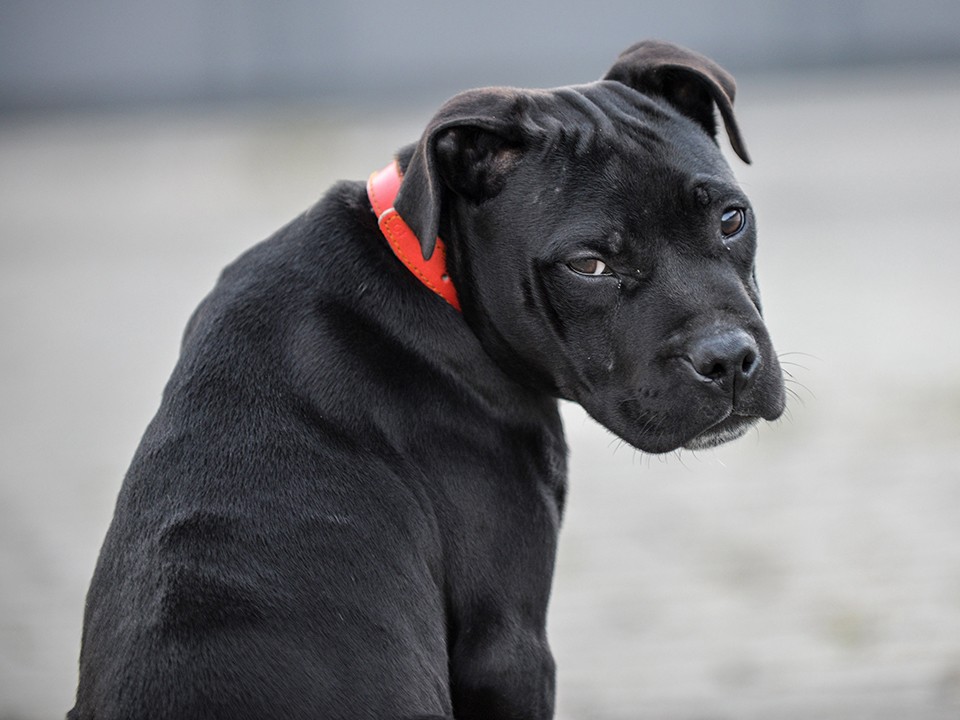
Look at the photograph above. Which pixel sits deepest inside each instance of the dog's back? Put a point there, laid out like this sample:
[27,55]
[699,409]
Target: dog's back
[257,489]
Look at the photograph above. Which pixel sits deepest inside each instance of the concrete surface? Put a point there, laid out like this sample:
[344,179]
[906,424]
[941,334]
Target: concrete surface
[811,570]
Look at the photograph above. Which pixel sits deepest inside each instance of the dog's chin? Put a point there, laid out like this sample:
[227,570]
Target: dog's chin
[731,428]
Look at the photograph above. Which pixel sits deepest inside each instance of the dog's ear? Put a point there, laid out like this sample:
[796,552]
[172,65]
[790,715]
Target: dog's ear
[689,81]
[467,148]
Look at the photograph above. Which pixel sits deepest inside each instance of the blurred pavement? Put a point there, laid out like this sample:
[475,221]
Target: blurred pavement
[811,570]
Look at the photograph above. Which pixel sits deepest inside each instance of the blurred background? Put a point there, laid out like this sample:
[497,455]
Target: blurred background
[810,570]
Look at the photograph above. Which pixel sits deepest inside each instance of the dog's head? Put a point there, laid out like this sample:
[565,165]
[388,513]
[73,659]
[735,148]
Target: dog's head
[601,247]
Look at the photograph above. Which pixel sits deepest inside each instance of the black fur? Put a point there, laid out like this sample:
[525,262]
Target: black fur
[347,505]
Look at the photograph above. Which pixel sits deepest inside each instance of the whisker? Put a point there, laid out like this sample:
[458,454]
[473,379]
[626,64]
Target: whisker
[795,395]
[787,414]
[796,383]
[786,354]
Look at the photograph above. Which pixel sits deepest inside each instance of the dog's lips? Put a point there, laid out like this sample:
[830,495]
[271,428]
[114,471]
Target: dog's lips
[730,428]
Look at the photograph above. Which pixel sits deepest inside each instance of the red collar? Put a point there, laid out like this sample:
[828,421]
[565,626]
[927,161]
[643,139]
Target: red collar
[382,188]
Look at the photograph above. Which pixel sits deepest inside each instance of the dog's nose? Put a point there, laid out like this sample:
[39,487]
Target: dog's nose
[730,359]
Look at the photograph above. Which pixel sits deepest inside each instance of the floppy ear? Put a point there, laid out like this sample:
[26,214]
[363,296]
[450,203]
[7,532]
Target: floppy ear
[467,148]
[689,81]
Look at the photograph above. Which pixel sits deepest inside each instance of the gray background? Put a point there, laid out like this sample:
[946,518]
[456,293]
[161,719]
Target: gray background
[56,53]
[810,570]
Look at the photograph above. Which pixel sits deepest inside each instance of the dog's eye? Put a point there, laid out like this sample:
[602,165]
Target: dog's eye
[590,266]
[732,221]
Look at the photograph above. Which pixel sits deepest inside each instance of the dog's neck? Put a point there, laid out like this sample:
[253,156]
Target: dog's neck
[382,188]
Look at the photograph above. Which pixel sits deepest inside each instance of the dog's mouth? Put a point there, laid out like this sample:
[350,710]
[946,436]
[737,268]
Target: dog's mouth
[730,428]
[662,433]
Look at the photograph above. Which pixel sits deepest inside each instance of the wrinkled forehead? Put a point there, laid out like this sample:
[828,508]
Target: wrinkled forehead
[607,117]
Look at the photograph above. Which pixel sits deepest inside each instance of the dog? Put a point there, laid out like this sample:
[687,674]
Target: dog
[347,505]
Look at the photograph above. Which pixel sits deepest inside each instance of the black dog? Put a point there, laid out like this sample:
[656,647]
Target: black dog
[347,505]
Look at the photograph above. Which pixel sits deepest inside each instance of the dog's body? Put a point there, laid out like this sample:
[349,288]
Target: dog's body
[347,505]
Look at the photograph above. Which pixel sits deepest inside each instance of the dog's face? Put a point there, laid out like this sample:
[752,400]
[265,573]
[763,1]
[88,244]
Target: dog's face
[603,250]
